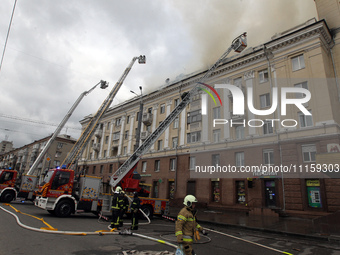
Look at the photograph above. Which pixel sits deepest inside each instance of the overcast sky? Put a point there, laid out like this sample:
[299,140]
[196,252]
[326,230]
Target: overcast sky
[58,49]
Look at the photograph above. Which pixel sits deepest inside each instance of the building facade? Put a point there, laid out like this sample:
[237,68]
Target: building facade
[306,56]
[21,159]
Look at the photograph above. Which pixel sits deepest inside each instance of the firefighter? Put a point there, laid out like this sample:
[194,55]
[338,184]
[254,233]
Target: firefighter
[186,225]
[124,205]
[135,205]
[116,208]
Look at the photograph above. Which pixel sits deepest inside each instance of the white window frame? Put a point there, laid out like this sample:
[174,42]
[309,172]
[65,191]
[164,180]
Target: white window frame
[192,163]
[298,62]
[263,76]
[268,157]
[265,100]
[176,123]
[159,145]
[162,110]
[215,159]
[118,122]
[174,142]
[308,153]
[305,120]
[268,127]
[157,165]
[116,136]
[239,158]
[240,132]
[144,165]
[217,112]
[217,135]
[172,164]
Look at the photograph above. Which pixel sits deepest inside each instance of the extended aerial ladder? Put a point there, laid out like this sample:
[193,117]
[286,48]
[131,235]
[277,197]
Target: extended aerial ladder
[88,132]
[238,45]
[103,85]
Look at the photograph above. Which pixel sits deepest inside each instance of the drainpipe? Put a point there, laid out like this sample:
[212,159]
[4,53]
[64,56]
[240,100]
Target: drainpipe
[334,69]
[269,56]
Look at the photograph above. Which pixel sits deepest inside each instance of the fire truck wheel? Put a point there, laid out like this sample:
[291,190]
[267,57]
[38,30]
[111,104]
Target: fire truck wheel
[147,209]
[7,196]
[64,208]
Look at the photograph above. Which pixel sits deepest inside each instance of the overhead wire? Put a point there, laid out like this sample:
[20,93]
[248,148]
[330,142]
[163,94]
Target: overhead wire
[8,31]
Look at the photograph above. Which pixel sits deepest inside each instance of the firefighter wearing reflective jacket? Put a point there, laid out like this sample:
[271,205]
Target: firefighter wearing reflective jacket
[186,226]
[135,205]
[117,204]
[124,207]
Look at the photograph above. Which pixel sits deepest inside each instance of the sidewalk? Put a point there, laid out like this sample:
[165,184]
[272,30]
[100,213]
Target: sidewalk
[282,225]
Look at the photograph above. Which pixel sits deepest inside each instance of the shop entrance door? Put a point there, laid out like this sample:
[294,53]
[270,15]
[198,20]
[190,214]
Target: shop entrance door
[270,193]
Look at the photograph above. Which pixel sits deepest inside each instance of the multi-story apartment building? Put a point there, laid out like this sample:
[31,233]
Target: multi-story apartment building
[21,159]
[306,56]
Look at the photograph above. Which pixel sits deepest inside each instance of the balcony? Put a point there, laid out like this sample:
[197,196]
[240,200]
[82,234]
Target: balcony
[144,135]
[96,146]
[147,119]
[235,118]
[98,133]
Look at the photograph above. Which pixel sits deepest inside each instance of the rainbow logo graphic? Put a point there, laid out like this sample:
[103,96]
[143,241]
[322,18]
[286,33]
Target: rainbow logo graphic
[204,97]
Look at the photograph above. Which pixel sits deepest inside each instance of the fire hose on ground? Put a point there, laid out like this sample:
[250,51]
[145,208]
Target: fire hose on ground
[51,230]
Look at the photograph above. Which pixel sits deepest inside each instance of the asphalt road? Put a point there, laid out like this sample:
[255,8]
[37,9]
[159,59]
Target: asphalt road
[18,240]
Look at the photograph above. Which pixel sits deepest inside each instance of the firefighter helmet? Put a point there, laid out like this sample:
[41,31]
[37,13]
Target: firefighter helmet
[189,199]
[118,189]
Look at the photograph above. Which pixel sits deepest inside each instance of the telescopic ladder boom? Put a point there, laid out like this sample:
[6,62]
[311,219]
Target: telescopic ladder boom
[238,45]
[60,127]
[88,132]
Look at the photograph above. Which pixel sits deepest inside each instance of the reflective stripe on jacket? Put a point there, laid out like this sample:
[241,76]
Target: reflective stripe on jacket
[186,225]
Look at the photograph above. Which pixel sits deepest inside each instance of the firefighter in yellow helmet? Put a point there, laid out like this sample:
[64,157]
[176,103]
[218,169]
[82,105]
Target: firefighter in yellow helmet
[186,225]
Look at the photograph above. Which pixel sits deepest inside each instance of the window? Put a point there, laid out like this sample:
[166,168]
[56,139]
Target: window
[116,136]
[298,63]
[150,110]
[101,169]
[305,120]
[172,164]
[160,145]
[118,121]
[162,108]
[215,160]
[217,113]
[58,154]
[157,165]
[94,170]
[105,153]
[265,100]
[56,163]
[137,116]
[192,163]
[128,119]
[60,145]
[300,85]
[106,139]
[267,127]
[194,137]
[308,153]
[126,134]
[239,132]
[239,158]
[174,142]
[194,116]
[176,122]
[144,164]
[124,150]
[110,168]
[217,135]
[108,126]
[176,102]
[263,75]
[268,157]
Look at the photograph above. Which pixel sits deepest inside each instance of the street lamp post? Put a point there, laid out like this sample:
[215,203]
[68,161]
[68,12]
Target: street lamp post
[140,115]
